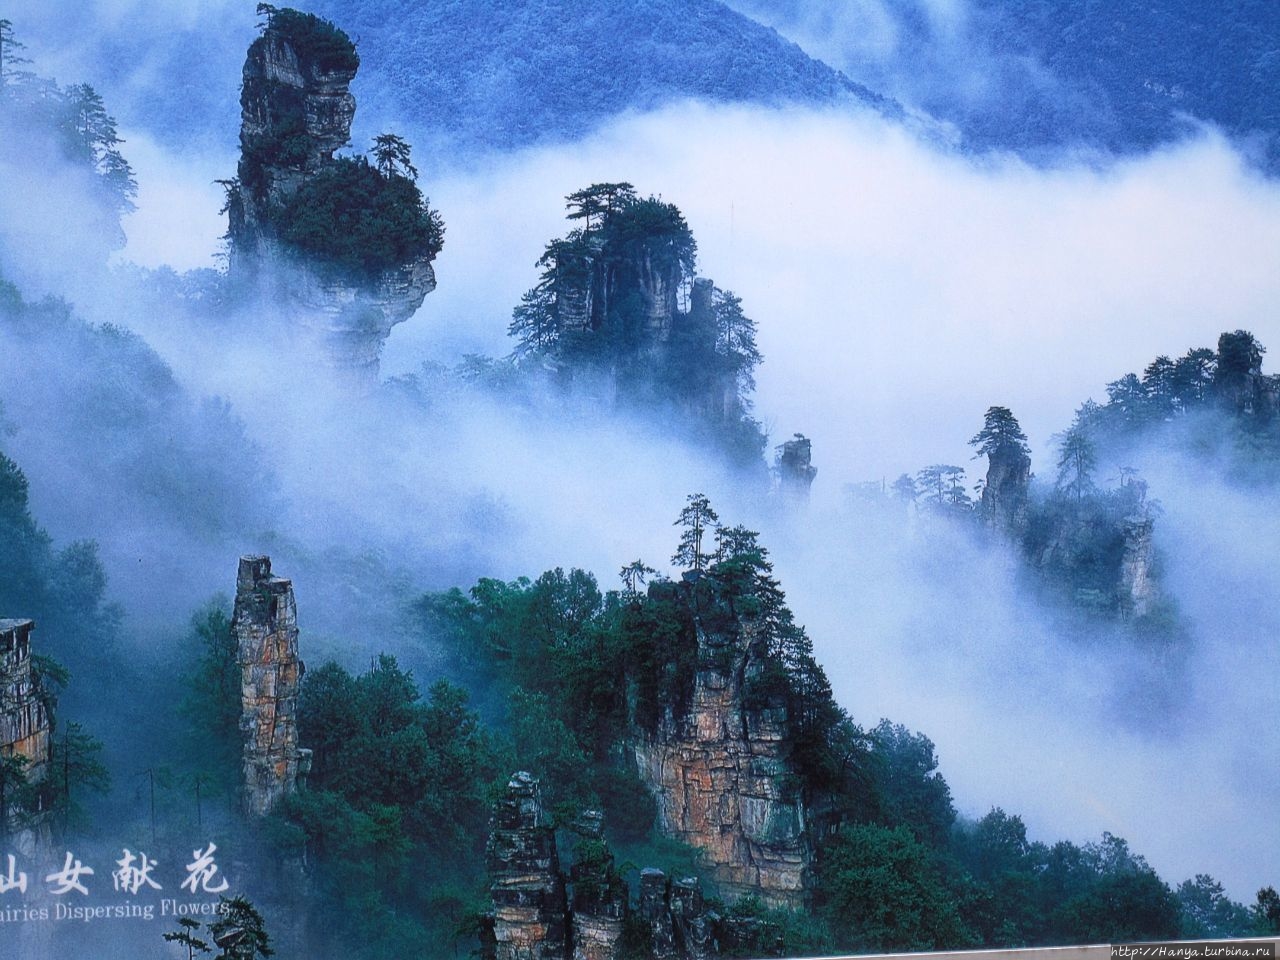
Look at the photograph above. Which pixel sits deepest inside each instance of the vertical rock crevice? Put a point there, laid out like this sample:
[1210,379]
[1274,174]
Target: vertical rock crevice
[1006,492]
[600,902]
[1139,588]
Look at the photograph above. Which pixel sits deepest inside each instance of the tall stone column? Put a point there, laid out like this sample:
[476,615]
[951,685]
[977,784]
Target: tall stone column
[795,470]
[530,905]
[265,624]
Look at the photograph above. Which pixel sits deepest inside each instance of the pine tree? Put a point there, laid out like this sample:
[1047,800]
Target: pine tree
[92,136]
[186,936]
[943,482]
[391,155]
[9,47]
[1077,460]
[599,201]
[535,323]
[736,341]
[697,517]
[76,759]
[904,488]
[634,575]
[1001,433]
[239,932]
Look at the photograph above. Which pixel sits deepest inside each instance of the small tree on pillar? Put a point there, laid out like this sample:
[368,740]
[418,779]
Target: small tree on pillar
[696,518]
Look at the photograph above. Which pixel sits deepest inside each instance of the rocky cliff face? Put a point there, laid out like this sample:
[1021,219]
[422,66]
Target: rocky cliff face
[538,916]
[294,115]
[679,924]
[1138,587]
[265,624]
[26,729]
[1105,549]
[296,110]
[1006,493]
[596,277]
[722,775]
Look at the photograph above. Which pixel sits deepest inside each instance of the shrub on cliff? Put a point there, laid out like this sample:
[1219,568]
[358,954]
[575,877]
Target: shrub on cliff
[314,39]
[358,221]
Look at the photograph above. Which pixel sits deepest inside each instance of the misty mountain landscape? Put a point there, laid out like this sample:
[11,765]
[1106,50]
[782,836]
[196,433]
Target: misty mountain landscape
[675,480]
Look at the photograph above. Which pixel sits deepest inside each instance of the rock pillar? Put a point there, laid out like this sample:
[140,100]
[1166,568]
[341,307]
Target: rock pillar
[265,624]
[26,730]
[795,470]
[530,907]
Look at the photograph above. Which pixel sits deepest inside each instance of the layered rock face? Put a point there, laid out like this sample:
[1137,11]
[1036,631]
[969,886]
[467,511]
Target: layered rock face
[265,624]
[296,110]
[537,916]
[284,99]
[26,730]
[1239,382]
[530,907]
[600,903]
[1006,493]
[680,925]
[601,279]
[722,775]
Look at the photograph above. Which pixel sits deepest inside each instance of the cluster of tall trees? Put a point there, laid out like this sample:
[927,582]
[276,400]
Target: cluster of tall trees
[1200,392]
[571,672]
[1229,379]
[1215,405]
[395,815]
[69,124]
[563,672]
[1073,531]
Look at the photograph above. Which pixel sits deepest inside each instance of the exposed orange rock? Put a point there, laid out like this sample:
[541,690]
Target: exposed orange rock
[26,730]
[723,777]
[265,624]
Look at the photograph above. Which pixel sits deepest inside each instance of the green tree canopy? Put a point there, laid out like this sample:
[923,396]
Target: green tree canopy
[353,219]
[314,39]
[1000,434]
[696,520]
[885,892]
[1077,460]
[392,156]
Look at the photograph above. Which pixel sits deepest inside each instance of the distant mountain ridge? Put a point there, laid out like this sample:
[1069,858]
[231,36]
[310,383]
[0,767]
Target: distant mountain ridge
[1040,76]
[509,73]
[1036,77]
